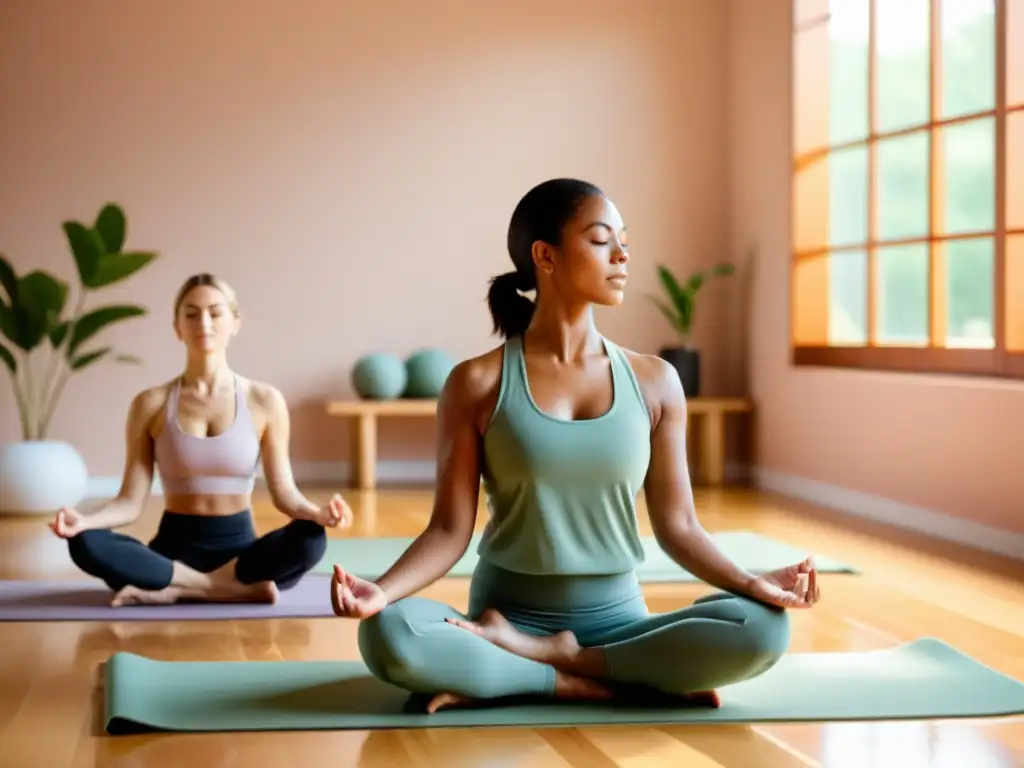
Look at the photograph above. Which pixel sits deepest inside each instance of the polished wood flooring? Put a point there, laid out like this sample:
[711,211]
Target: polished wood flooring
[50,702]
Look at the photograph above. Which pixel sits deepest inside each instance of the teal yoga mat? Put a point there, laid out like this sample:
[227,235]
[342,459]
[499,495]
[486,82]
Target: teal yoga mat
[370,557]
[924,679]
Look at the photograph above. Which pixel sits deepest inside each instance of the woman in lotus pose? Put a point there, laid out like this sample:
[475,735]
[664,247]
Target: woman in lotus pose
[206,432]
[565,428]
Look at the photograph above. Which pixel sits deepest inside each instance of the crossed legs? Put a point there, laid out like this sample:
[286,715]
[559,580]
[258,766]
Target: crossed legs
[428,647]
[171,569]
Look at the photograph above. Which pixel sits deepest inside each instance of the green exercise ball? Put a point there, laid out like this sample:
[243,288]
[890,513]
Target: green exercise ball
[379,376]
[426,372]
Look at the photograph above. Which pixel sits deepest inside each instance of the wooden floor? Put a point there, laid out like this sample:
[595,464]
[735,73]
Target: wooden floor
[50,702]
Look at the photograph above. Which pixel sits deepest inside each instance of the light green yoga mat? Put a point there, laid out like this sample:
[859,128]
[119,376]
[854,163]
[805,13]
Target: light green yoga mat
[925,679]
[371,557]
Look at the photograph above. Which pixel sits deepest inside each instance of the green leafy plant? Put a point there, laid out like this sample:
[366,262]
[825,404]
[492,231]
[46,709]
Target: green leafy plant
[35,317]
[682,296]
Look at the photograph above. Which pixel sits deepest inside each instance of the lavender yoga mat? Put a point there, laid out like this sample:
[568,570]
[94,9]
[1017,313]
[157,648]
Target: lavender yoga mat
[89,600]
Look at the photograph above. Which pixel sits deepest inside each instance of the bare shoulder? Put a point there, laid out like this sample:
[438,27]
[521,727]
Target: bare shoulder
[147,406]
[471,389]
[151,400]
[265,397]
[659,382]
[477,375]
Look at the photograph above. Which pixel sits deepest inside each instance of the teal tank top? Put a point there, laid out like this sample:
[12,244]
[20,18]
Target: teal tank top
[562,494]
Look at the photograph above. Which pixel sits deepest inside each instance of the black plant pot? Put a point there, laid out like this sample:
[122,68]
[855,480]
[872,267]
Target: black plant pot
[687,363]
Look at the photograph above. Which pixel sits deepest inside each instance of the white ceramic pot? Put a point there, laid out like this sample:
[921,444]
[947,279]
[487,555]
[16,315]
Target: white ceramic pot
[37,477]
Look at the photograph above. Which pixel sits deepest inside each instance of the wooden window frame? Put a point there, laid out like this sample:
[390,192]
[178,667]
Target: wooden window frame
[1006,358]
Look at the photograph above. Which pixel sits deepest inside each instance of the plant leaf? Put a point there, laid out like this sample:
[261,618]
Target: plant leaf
[80,362]
[671,285]
[8,357]
[9,280]
[130,359]
[681,299]
[114,267]
[686,319]
[58,333]
[43,294]
[684,297]
[8,323]
[665,309]
[110,225]
[87,247]
[41,299]
[89,324]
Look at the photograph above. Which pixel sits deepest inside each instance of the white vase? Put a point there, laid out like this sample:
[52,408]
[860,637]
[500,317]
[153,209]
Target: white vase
[38,477]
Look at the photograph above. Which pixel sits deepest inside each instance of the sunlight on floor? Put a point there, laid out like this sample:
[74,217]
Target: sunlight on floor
[907,745]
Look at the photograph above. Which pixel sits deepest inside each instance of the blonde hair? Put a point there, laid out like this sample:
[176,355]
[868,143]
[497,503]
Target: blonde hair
[205,278]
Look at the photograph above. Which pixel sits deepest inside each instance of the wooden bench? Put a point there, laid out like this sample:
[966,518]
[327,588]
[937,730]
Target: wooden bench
[365,414]
[706,416]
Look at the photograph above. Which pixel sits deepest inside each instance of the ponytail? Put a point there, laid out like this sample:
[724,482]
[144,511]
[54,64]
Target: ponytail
[511,312]
[540,216]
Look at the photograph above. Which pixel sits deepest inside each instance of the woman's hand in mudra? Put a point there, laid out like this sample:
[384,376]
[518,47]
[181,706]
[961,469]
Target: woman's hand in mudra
[68,523]
[795,586]
[335,514]
[354,597]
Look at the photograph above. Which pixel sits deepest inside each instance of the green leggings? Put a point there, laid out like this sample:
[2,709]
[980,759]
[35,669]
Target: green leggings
[718,640]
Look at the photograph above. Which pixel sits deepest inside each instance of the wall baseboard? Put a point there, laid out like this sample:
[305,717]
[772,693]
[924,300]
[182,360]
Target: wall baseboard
[929,522]
[939,525]
[318,472]
[421,471]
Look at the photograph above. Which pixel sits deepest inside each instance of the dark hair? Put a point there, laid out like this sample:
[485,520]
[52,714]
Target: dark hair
[541,215]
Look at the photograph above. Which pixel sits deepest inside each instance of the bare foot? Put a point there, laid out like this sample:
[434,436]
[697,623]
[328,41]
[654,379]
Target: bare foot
[569,687]
[447,701]
[234,591]
[136,596]
[703,699]
[581,688]
[219,591]
[578,670]
[495,628]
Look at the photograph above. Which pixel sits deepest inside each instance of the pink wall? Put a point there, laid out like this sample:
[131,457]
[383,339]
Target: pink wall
[384,151]
[948,444]
[350,170]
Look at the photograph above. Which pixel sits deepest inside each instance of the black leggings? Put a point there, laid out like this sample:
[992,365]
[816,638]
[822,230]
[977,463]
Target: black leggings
[204,544]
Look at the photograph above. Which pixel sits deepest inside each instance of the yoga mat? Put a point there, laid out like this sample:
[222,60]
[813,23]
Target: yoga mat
[89,600]
[370,557]
[924,679]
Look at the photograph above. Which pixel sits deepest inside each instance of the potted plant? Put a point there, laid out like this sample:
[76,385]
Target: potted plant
[678,310]
[44,343]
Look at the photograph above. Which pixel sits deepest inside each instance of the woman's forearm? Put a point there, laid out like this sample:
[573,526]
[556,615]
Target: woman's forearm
[113,514]
[289,501]
[427,559]
[693,549]
[297,507]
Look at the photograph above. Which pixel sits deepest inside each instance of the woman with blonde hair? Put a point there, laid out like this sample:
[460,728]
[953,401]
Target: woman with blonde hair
[205,431]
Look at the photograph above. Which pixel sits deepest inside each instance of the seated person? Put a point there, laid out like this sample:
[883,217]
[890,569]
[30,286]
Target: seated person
[565,427]
[205,431]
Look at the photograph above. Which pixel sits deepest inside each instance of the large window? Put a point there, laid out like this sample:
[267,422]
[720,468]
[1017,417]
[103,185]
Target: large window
[908,189]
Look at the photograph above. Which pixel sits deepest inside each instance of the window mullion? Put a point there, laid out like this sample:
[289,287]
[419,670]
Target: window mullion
[999,305]
[871,250]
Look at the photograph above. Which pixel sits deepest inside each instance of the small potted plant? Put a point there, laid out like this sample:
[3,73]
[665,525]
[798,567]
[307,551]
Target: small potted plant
[39,474]
[678,309]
